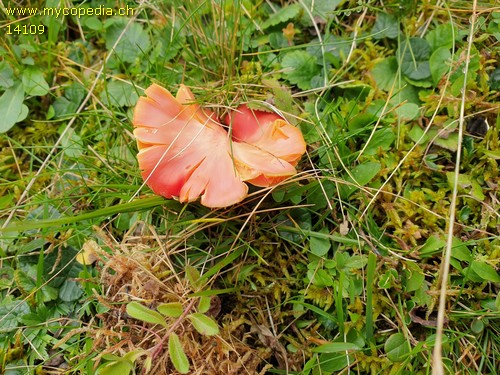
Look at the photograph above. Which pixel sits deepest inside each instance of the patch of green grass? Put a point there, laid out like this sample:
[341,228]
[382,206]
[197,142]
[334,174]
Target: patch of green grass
[336,270]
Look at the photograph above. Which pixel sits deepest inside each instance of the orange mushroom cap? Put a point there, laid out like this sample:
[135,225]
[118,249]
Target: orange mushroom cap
[185,153]
[272,138]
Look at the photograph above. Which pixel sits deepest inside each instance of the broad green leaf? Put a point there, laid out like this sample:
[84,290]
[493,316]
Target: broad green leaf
[386,26]
[333,362]
[477,326]
[397,347]
[134,354]
[299,68]
[441,37]
[120,94]
[485,271]
[204,304]
[319,246]
[466,184]
[385,73]
[111,357]
[10,311]
[415,278]
[62,107]
[413,56]
[204,324]
[407,111]
[121,367]
[355,262]
[70,291]
[24,282]
[322,9]
[6,75]
[320,277]
[439,63]
[171,309]
[72,144]
[133,41]
[432,246]
[362,174]
[381,140]
[494,80]
[177,355]
[92,22]
[34,83]
[283,15]
[141,312]
[335,347]
[11,106]
[460,250]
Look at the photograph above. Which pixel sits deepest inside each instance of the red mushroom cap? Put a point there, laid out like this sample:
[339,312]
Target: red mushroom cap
[185,153]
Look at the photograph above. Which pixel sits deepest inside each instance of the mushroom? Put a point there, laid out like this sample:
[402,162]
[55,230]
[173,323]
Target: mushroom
[185,153]
[269,147]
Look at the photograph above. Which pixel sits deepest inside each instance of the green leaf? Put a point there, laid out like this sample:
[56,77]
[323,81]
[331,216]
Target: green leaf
[466,184]
[93,23]
[300,68]
[441,37]
[333,362]
[414,57]
[120,94]
[432,246]
[382,139]
[416,277]
[322,9]
[140,312]
[204,304]
[11,107]
[177,355]
[133,42]
[485,271]
[320,278]
[193,276]
[397,347]
[335,347]
[494,81]
[121,367]
[362,174]
[34,83]
[133,355]
[283,15]
[319,246]
[385,72]
[387,279]
[460,250]
[72,144]
[6,75]
[407,111]
[24,282]
[386,26]
[70,291]
[204,324]
[171,309]
[355,262]
[439,63]
[10,311]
